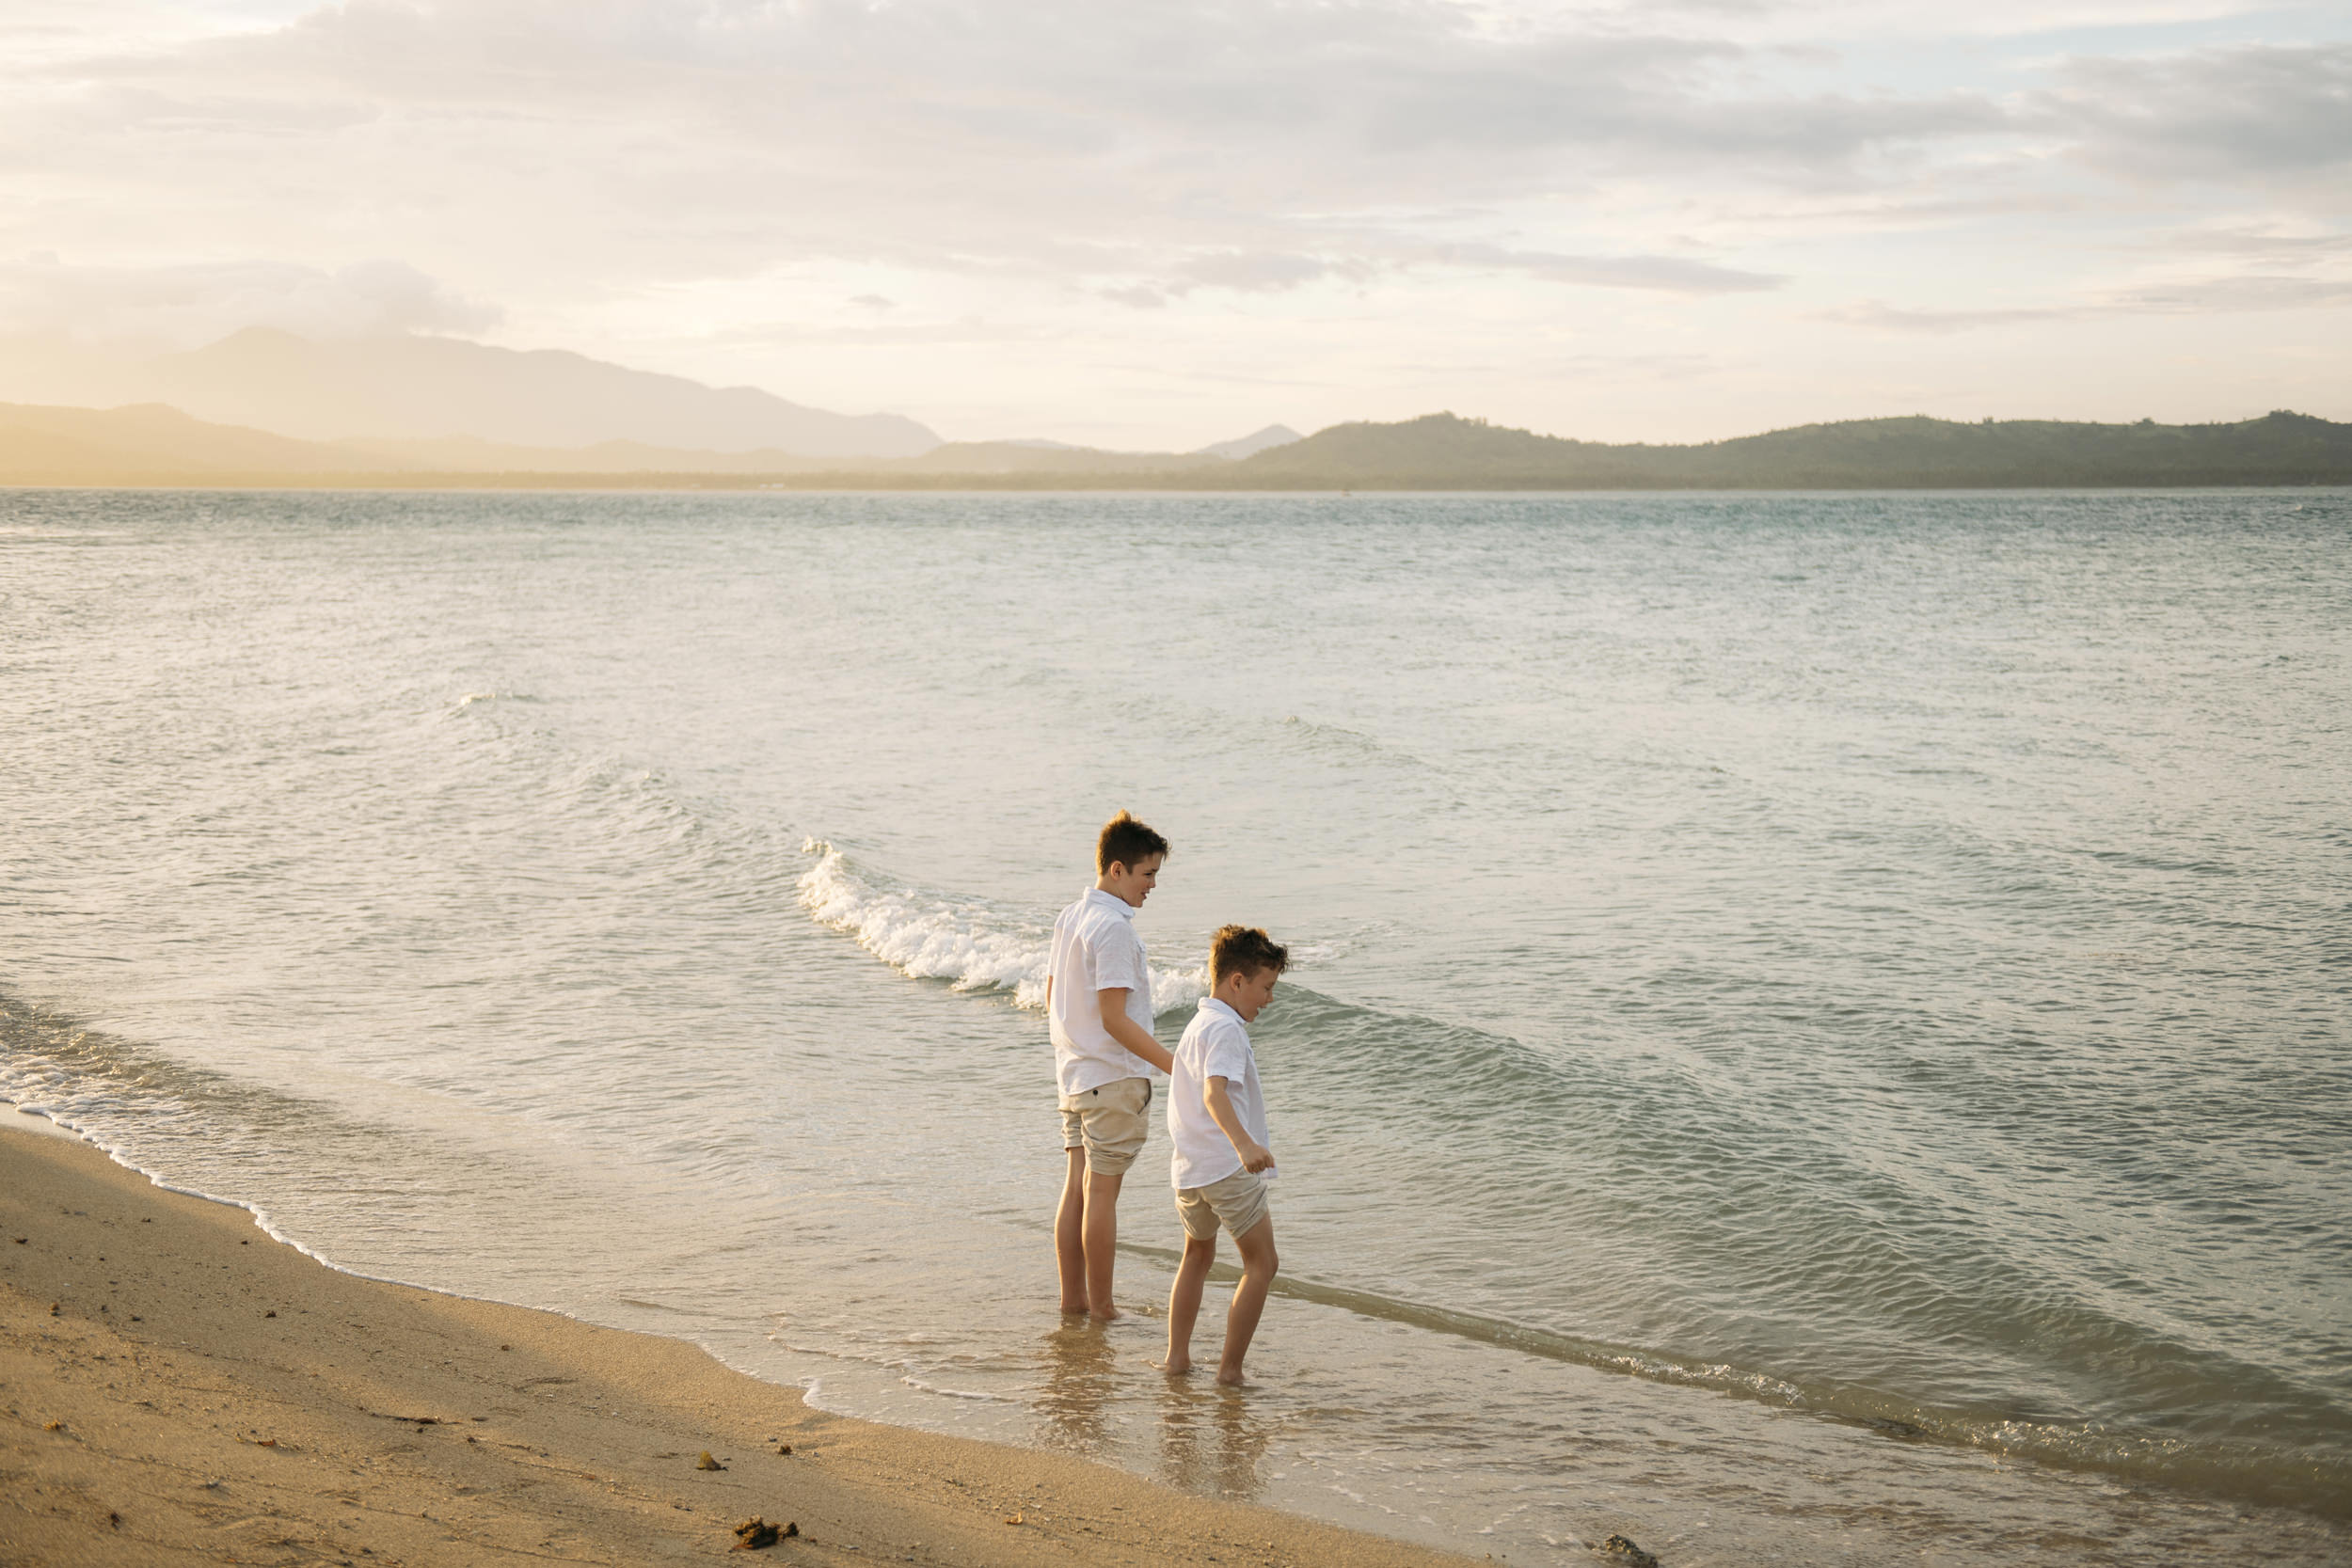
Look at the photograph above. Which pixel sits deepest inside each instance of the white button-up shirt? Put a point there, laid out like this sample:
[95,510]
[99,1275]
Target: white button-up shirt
[1096,948]
[1215,1045]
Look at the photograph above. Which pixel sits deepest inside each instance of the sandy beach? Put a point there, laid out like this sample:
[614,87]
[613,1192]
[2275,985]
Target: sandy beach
[180,1388]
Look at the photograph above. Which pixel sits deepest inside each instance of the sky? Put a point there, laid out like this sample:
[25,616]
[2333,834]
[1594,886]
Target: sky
[1153,226]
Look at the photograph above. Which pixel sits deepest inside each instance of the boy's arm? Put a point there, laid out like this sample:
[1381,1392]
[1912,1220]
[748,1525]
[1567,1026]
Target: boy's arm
[1127,1032]
[1254,1155]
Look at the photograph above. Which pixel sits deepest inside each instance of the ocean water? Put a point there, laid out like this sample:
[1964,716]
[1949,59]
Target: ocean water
[1823,1030]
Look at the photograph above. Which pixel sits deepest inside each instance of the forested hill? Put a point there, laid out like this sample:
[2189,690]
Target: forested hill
[1444,452]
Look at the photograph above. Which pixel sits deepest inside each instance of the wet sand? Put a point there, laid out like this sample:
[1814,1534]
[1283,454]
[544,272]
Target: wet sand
[177,1388]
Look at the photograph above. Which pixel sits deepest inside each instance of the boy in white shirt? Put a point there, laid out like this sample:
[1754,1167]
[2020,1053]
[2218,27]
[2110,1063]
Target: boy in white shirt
[1217,1120]
[1098,1009]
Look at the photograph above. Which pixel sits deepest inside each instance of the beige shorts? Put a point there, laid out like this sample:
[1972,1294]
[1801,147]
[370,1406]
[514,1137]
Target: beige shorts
[1236,1202]
[1109,1122]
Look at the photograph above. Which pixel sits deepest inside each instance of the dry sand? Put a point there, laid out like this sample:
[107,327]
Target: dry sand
[176,1387]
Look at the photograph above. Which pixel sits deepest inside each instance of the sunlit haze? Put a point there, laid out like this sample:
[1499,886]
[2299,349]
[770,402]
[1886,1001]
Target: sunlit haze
[1157,226]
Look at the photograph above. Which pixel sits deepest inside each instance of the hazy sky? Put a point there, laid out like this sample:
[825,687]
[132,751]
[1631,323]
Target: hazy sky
[1163,224]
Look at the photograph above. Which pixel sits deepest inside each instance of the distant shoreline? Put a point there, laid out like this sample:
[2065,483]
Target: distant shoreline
[855,483]
[158,447]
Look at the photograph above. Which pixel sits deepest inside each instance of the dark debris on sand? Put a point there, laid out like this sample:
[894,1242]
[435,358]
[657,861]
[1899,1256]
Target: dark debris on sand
[755,1533]
[1633,1555]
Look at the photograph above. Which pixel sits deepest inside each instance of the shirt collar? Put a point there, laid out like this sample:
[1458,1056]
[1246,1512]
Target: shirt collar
[1211,1002]
[1111,901]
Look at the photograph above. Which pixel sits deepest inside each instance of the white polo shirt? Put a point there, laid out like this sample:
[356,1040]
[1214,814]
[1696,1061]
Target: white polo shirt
[1095,948]
[1215,1045]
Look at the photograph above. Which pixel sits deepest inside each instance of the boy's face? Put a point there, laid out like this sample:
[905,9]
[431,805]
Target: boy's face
[1135,882]
[1249,994]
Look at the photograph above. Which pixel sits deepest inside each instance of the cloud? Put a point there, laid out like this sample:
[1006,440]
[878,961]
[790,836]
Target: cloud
[1136,296]
[2279,249]
[1261,272]
[2211,113]
[925,334]
[1880,316]
[1676,275]
[1274,272]
[1338,187]
[192,303]
[2256,292]
[2191,296]
[1041,137]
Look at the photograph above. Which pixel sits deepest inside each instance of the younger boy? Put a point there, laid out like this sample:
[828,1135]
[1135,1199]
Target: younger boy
[1098,1009]
[1217,1120]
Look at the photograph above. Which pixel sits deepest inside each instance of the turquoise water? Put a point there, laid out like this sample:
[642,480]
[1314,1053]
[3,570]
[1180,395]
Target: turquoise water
[1822,1028]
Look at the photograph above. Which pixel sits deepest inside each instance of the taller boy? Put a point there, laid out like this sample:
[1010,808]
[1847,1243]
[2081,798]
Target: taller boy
[1098,1004]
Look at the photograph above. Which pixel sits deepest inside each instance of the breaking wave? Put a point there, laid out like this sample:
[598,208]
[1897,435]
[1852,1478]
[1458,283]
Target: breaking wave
[972,944]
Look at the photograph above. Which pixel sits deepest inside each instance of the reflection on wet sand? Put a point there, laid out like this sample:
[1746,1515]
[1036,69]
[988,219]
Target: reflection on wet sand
[1081,1380]
[1210,1438]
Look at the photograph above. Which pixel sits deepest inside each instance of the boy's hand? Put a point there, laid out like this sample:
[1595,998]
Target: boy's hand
[1218,1096]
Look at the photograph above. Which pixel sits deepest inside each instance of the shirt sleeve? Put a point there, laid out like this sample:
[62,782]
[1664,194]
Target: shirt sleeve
[1224,1056]
[1119,961]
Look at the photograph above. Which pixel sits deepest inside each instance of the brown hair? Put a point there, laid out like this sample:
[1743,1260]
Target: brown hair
[1243,950]
[1124,841]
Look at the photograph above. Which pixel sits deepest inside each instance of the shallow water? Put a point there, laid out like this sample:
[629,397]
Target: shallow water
[1822,1028]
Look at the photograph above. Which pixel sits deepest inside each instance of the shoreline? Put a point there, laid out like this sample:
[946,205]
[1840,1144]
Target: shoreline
[178,1387]
[1093,484]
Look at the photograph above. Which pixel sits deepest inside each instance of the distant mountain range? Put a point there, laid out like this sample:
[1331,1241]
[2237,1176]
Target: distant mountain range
[1252,444]
[265,407]
[412,403]
[424,388]
[148,444]
[153,445]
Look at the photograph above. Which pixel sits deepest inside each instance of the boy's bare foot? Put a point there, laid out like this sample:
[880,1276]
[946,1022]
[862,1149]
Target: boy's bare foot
[1070,1311]
[1107,1314]
[1175,1366]
[1231,1378]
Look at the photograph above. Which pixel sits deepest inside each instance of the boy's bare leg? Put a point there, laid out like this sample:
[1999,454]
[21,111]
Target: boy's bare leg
[1070,1254]
[1101,1242]
[1183,1301]
[1258,1262]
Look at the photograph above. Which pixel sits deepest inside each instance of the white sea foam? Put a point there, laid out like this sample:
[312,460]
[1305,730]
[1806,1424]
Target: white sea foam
[943,1392]
[934,936]
[1174,991]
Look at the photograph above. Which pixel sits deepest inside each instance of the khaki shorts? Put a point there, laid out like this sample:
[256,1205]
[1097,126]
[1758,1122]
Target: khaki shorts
[1236,1202]
[1109,1122]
